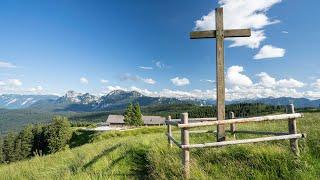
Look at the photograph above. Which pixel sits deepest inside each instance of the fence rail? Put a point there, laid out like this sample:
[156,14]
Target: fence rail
[185,124]
[232,121]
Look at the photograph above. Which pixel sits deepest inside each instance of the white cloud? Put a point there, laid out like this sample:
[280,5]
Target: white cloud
[235,77]
[180,81]
[266,80]
[252,42]
[143,91]
[160,65]
[145,67]
[242,14]
[14,82]
[6,65]
[316,84]
[129,77]
[84,80]
[208,80]
[113,88]
[285,32]
[268,51]
[104,81]
[2,83]
[149,81]
[36,89]
[290,83]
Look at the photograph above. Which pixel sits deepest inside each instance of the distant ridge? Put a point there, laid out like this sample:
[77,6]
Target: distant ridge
[119,99]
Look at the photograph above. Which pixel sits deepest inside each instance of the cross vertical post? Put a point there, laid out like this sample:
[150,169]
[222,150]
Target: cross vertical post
[220,33]
[221,134]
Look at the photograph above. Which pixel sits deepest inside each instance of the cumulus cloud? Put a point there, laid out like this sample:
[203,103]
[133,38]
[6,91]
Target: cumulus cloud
[266,80]
[235,77]
[4,64]
[290,83]
[84,80]
[113,88]
[316,84]
[149,81]
[268,51]
[37,89]
[242,87]
[104,81]
[145,67]
[252,42]
[14,82]
[242,14]
[180,81]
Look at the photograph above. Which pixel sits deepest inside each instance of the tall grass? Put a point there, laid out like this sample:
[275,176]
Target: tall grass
[144,154]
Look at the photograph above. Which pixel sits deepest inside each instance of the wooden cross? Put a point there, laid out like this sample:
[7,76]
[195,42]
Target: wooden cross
[220,34]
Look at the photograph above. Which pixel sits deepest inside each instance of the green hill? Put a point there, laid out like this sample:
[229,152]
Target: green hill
[144,154]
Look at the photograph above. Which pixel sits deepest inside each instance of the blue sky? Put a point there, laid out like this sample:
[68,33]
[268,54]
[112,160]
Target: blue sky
[49,47]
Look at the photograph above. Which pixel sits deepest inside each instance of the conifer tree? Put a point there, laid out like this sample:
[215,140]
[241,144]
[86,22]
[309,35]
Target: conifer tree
[8,147]
[1,150]
[39,142]
[129,115]
[17,150]
[137,119]
[58,134]
[26,137]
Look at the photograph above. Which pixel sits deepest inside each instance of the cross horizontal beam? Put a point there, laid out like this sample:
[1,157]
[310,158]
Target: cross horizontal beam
[227,33]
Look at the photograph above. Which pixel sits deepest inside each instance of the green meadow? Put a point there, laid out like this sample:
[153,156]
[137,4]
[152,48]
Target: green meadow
[144,154]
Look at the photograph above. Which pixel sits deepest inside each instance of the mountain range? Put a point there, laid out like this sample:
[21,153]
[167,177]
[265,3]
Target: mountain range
[119,99]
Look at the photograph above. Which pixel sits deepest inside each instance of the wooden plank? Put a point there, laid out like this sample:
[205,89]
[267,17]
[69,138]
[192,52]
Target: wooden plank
[292,125]
[196,119]
[243,141]
[221,135]
[173,140]
[169,131]
[174,123]
[243,120]
[227,33]
[203,34]
[237,33]
[262,133]
[233,125]
[185,142]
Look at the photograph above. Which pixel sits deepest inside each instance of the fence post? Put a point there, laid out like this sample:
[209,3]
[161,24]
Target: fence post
[292,124]
[233,127]
[185,141]
[169,131]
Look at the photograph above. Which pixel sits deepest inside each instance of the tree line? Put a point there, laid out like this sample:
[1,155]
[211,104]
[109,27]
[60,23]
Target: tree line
[240,110]
[35,140]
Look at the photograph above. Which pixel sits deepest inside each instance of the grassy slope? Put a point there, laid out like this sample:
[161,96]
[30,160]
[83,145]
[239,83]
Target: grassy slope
[143,153]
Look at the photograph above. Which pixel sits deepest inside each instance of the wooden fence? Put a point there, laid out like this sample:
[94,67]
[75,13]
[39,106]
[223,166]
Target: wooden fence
[185,124]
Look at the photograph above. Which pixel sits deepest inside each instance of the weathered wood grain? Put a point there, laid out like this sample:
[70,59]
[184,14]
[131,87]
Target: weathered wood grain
[221,134]
[227,33]
[185,141]
[243,120]
[244,141]
[233,125]
[169,131]
[173,140]
[292,125]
